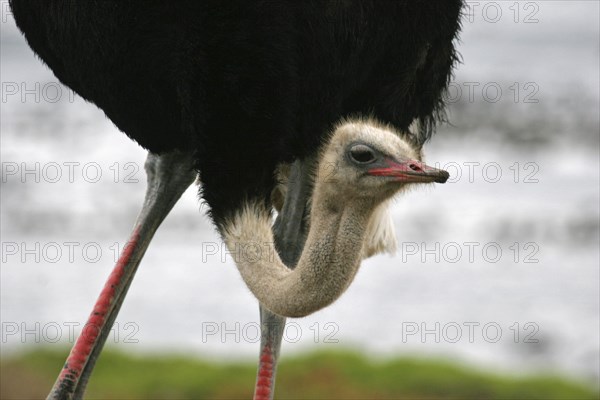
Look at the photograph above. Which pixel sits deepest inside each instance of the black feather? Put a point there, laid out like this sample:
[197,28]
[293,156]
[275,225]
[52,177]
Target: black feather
[247,85]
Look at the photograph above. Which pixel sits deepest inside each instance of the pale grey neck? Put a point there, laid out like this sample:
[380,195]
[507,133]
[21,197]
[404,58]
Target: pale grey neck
[328,263]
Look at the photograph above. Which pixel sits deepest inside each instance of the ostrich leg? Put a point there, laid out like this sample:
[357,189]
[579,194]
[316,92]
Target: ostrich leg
[290,234]
[169,175]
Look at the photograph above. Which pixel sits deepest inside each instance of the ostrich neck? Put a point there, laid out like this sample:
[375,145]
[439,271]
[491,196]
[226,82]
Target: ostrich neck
[327,265]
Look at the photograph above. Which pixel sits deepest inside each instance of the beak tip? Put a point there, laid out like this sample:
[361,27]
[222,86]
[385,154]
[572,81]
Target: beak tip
[444,175]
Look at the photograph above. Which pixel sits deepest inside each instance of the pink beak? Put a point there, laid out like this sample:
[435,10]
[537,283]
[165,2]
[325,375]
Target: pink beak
[410,171]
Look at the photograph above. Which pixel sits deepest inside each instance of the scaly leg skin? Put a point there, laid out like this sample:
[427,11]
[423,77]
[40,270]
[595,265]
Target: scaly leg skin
[290,233]
[169,175]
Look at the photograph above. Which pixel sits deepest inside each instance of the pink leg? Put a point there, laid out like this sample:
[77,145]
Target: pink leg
[272,326]
[169,175]
[290,235]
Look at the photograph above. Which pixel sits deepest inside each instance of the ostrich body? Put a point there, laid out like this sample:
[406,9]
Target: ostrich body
[234,91]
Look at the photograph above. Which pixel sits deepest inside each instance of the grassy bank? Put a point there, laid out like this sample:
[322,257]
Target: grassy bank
[321,375]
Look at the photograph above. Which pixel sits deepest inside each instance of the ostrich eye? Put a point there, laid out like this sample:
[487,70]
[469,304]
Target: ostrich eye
[362,154]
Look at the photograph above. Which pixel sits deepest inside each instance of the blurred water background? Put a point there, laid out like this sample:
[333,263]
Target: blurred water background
[497,268]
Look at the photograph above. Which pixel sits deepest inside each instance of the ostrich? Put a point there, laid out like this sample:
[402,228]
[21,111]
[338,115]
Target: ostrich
[240,94]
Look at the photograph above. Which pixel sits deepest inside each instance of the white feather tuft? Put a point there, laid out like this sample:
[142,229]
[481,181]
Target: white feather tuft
[380,235]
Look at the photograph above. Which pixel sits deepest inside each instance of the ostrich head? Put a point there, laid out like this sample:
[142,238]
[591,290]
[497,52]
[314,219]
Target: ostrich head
[365,159]
[365,162]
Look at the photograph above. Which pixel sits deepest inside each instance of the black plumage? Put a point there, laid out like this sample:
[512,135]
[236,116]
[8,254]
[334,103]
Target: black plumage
[247,85]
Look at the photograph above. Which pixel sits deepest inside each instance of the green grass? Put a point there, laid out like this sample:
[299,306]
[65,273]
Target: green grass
[320,375]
